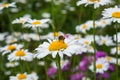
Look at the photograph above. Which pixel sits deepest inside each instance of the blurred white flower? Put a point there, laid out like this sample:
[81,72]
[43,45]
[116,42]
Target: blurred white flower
[7,5]
[96,3]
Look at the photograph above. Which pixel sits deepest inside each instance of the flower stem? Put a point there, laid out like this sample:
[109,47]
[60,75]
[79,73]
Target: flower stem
[116,51]
[45,68]
[94,44]
[59,67]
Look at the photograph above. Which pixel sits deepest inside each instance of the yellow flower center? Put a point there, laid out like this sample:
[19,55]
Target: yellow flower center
[116,14]
[36,22]
[119,48]
[21,76]
[62,62]
[55,34]
[20,53]
[11,47]
[57,45]
[12,63]
[84,26]
[104,41]
[103,21]
[99,66]
[94,0]
[86,42]
[5,5]
[108,58]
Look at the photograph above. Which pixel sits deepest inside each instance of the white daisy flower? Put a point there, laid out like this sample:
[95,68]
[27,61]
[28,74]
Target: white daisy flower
[20,55]
[60,47]
[117,36]
[51,35]
[11,39]
[96,3]
[104,22]
[109,59]
[34,37]
[20,76]
[83,28]
[7,5]
[36,23]
[113,50]
[9,48]
[90,49]
[63,63]
[21,20]
[46,15]
[101,66]
[112,13]
[33,76]
[12,64]
[105,40]
[2,36]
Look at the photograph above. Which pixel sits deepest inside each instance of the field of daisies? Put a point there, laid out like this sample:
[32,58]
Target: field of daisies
[59,40]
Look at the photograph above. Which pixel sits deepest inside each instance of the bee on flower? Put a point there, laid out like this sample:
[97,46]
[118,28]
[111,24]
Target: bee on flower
[20,54]
[7,5]
[96,3]
[112,13]
[60,46]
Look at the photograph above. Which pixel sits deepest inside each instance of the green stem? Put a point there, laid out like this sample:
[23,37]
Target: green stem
[59,67]
[94,44]
[46,69]
[28,69]
[116,51]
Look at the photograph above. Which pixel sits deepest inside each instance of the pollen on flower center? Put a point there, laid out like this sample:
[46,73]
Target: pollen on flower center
[94,0]
[36,22]
[21,76]
[116,14]
[11,47]
[84,26]
[20,53]
[119,48]
[57,45]
[55,34]
[104,41]
[5,5]
[108,58]
[99,66]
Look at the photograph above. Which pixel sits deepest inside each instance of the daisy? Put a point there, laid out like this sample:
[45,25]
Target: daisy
[60,47]
[36,23]
[104,22]
[113,50]
[11,39]
[33,76]
[12,64]
[105,40]
[20,55]
[52,35]
[101,66]
[112,13]
[9,48]
[7,5]
[96,3]
[118,37]
[2,36]
[21,20]
[20,76]
[63,64]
